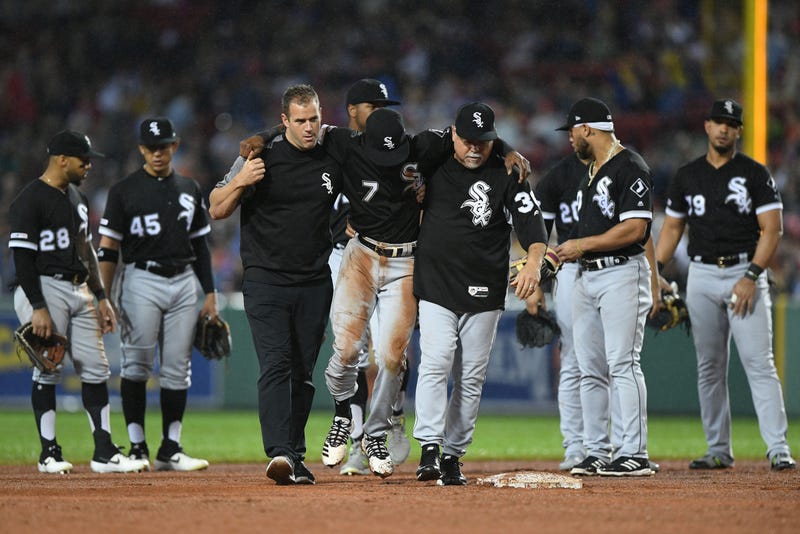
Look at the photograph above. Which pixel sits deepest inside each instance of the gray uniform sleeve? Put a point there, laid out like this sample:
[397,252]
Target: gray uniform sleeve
[234,170]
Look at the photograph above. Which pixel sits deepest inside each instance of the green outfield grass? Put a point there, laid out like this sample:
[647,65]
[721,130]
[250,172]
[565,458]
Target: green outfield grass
[234,436]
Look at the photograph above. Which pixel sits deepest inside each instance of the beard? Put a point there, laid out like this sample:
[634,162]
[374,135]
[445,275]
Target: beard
[583,150]
[722,150]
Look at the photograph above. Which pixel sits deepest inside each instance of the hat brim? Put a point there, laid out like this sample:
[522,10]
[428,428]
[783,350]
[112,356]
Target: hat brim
[385,158]
[378,102]
[725,117]
[94,154]
[483,136]
[564,128]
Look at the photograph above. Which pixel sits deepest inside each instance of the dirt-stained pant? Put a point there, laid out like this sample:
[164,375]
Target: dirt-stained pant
[369,282]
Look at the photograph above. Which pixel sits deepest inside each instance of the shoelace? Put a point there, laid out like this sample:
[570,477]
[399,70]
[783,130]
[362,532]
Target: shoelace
[339,432]
[376,448]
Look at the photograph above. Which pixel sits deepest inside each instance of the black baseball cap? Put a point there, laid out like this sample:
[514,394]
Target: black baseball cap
[386,142]
[589,111]
[727,110]
[157,131]
[475,122]
[72,143]
[371,91]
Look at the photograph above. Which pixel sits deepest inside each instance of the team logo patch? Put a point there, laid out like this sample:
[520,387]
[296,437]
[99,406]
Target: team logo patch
[326,182]
[639,188]
[478,291]
[479,203]
[19,235]
[739,195]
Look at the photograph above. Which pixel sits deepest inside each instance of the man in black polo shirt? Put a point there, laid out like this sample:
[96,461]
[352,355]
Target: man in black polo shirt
[286,193]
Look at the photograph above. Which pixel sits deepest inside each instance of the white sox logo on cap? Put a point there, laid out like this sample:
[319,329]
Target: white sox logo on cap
[384,91]
[154,128]
[477,119]
[388,142]
[729,106]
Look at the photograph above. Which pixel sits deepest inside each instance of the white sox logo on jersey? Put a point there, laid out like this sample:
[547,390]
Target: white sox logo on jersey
[411,175]
[187,201]
[603,197]
[83,213]
[739,194]
[326,182]
[477,119]
[154,128]
[479,203]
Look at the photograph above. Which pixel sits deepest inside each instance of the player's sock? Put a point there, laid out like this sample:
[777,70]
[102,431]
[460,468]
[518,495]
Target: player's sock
[173,406]
[43,400]
[95,402]
[134,404]
[400,401]
[342,408]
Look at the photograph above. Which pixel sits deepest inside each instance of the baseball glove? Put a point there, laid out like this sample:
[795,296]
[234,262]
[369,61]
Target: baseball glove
[212,338]
[536,330]
[550,266]
[46,354]
[673,311]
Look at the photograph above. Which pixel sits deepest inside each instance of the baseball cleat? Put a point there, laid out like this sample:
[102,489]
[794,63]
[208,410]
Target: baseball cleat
[302,475]
[51,461]
[588,467]
[451,472]
[281,470]
[139,451]
[357,463]
[180,461]
[782,461]
[335,447]
[429,467]
[626,466]
[396,440]
[118,463]
[380,463]
[710,462]
[569,462]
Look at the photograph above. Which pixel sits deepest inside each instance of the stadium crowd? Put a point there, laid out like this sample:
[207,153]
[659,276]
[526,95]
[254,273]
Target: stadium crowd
[218,69]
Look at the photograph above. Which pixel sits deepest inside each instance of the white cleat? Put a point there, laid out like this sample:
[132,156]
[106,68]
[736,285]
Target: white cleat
[335,447]
[396,440]
[180,461]
[380,463]
[54,466]
[119,463]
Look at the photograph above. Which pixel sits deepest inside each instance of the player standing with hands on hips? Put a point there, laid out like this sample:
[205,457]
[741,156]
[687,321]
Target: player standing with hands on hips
[157,220]
[461,279]
[59,279]
[613,292]
[734,212]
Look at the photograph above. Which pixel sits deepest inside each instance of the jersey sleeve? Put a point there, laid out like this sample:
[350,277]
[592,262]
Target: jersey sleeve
[765,192]
[200,224]
[431,149]
[677,206]
[337,142]
[25,225]
[526,215]
[635,194]
[112,224]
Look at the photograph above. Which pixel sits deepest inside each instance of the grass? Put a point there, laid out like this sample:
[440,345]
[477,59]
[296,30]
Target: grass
[235,437]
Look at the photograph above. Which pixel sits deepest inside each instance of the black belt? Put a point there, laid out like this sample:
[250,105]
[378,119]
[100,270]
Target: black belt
[389,250]
[596,264]
[76,279]
[724,261]
[160,270]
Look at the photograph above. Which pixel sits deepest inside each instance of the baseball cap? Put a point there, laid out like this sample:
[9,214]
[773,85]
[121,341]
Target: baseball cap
[475,122]
[157,131]
[371,91]
[386,142]
[589,111]
[726,109]
[72,143]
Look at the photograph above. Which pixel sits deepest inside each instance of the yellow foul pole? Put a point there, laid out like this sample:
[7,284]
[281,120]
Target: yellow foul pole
[755,80]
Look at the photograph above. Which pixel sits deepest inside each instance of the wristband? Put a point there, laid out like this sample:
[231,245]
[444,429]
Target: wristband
[107,254]
[100,294]
[753,272]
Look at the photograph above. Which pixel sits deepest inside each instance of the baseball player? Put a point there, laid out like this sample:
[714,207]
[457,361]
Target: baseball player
[58,281]
[461,278]
[381,179]
[155,220]
[734,213]
[286,193]
[612,292]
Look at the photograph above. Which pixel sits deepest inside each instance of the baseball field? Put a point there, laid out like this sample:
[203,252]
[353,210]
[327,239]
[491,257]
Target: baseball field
[234,495]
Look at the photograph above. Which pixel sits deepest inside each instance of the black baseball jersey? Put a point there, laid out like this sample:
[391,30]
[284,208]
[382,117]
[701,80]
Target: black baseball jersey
[285,218]
[52,223]
[463,249]
[721,205]
[622,189]
[557,194]
[155,218]
[339,218]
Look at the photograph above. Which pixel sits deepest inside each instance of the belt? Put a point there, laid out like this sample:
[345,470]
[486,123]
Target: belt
[390,250]
[724,261]
[596,264]
[76,279]
[160,270]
